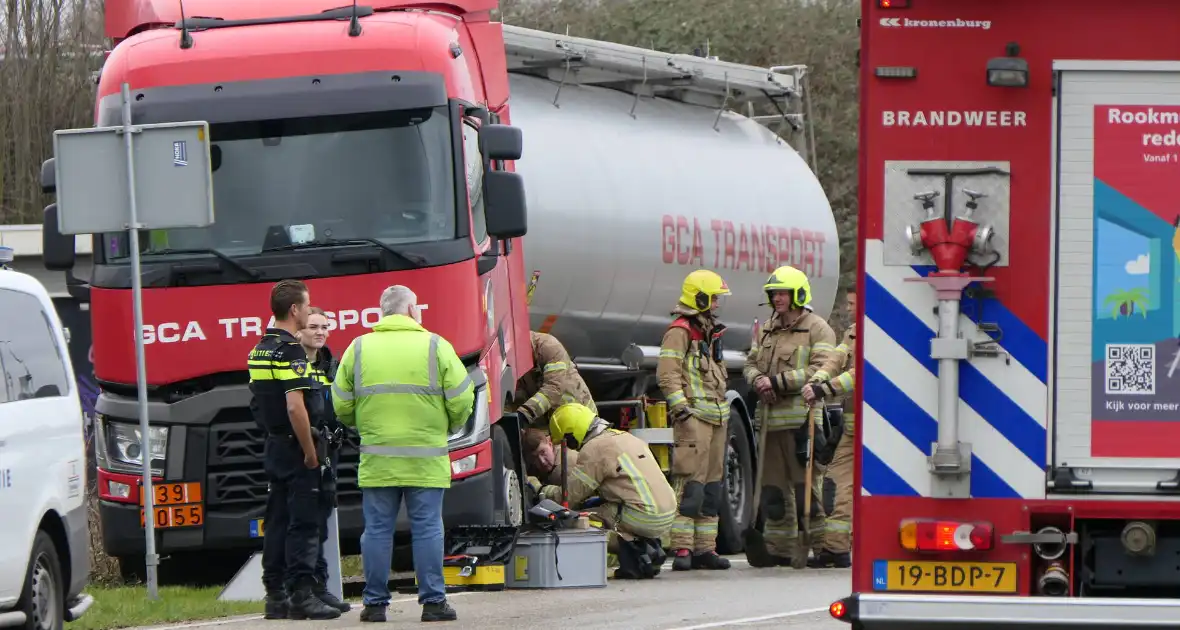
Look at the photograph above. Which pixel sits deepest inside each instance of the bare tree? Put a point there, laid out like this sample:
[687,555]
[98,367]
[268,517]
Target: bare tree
[48,49]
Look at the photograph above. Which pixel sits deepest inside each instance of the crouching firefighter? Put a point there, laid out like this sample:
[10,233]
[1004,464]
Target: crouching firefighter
[553,381]
[692,377]
[637,505]
[795,347]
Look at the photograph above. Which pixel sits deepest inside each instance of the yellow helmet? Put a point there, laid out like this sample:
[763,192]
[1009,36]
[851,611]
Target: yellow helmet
[570,419]
[787,278]
[700,287]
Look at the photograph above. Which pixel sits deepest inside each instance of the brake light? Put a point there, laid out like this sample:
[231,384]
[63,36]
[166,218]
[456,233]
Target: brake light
[837,610]
[935,535]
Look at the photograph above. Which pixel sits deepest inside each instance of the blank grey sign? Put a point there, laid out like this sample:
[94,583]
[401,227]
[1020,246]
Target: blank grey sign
[173,180]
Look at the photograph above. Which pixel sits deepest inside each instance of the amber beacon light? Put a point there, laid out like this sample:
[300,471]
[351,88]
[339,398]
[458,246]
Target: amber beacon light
[893,4]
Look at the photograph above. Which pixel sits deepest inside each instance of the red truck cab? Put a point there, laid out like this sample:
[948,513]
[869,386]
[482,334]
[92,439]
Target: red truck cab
[353,155]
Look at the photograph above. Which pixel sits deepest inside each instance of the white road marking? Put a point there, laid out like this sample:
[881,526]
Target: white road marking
[229,620]
[735,622]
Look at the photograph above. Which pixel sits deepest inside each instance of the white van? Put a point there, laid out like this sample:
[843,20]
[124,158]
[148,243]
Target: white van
[44,538]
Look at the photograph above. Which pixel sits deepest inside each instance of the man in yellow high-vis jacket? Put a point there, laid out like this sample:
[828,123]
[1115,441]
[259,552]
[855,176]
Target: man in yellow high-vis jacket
[405,390]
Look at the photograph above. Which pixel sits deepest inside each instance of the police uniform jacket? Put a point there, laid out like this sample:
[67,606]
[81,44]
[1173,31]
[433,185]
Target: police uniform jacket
[278,365]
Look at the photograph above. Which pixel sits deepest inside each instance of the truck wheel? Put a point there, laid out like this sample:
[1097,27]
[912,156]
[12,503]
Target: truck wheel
[736,508]
[43,597]
[510,502]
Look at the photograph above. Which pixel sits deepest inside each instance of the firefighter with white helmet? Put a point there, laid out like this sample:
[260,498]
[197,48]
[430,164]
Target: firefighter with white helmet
[638,505]
[692,377]
[795,347]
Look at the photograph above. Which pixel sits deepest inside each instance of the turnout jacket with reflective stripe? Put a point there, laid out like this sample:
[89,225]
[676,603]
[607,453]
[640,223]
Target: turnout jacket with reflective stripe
[687,372]
[405,390]
[843,385]
[620,468]
[792,356]
[553,381]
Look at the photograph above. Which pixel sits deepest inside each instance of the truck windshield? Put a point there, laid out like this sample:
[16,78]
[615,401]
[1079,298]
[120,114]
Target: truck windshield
[385,176]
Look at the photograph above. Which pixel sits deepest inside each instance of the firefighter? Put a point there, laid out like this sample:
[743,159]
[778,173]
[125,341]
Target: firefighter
[838,530]
[692,377]
[314,338]
[553,380]
[288,405]
[638,506]
[795,347]
[542,458]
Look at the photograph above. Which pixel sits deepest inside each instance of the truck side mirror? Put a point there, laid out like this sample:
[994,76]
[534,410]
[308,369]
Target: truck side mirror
[504,202]
[49,176]
[57,249]
[500,142]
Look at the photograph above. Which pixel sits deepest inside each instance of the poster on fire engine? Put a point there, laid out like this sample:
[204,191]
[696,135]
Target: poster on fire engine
[1135,384]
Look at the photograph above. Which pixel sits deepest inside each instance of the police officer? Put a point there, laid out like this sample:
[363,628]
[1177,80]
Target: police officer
[314,338]
[286,401]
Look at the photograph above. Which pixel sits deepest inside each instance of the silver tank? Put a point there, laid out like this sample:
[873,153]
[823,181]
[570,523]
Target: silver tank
[612,202]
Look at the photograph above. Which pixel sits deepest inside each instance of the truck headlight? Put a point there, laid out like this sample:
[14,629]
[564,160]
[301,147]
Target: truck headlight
[478,427]
[124,446]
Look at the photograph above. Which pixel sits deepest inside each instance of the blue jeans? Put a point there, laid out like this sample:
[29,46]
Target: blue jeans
[425,507]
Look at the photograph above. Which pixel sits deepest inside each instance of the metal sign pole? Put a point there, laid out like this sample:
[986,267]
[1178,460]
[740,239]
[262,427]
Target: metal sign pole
[335,583]
[151,560]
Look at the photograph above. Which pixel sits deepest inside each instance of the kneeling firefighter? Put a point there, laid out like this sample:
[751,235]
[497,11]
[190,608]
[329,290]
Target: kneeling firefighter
[638,505]
[692,377]
[795,348]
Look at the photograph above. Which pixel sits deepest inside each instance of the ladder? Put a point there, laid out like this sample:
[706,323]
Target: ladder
[707,82]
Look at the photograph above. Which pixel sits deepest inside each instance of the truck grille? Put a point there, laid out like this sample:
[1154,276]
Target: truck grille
[236,475]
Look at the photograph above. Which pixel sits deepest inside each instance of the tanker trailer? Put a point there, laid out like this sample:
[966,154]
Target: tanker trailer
[626,196]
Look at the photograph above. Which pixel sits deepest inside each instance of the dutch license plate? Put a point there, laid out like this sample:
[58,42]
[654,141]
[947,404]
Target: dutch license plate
[170,516]
[256,528]
[959,577]
[174,493]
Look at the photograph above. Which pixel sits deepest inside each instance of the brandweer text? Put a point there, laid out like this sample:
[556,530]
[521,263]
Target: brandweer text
[742,247]
[954,118]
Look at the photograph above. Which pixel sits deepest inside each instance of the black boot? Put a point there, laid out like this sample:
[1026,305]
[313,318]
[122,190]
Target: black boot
[331,600]
[822,560]
[440,611]
[373,614]
[276,605]
[842,560]
[683,561]
[305,605]
[709,560]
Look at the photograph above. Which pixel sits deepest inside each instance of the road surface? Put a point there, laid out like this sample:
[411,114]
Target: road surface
[698,600]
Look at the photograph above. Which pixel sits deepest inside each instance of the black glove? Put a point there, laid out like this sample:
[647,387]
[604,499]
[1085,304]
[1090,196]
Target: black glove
[817,389]
[523,420]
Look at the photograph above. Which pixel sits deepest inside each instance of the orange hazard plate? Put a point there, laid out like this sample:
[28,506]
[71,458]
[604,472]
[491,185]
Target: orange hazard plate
[171,516]
[174,494]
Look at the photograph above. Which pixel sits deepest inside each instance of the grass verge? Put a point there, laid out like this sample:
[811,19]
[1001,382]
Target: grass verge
[128,606]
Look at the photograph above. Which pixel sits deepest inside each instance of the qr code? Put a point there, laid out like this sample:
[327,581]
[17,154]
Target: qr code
[1130,368]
